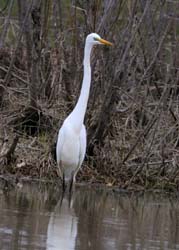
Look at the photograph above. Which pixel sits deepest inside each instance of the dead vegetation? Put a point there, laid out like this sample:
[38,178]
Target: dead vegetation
[132,117]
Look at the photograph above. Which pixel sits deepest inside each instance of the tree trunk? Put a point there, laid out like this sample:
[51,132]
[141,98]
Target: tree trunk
[34,84]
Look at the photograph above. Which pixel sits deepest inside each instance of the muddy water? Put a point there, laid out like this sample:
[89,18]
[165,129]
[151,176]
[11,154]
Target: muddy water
[34,217]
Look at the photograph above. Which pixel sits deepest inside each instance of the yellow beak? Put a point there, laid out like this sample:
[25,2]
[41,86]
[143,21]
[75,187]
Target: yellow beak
[104,42]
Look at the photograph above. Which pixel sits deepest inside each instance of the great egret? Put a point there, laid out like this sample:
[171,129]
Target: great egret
[71,143]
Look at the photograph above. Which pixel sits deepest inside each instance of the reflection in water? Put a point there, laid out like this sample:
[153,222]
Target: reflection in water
[33,218]
[62,227]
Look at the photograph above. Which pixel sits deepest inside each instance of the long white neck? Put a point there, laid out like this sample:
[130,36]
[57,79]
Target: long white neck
[78,113]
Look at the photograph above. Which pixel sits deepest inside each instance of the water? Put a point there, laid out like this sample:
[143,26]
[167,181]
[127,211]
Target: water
[34,217]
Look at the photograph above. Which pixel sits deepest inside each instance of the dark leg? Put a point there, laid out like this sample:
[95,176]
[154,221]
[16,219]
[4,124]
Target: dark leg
[70,190]
[63,188]
[61,175]
[63,183]
[61,197]
[71,184]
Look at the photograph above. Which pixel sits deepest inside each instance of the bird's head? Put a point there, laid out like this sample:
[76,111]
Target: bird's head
[94,39]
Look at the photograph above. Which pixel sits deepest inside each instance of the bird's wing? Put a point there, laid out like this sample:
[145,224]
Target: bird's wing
[60,141]
[82,145]
[82,149]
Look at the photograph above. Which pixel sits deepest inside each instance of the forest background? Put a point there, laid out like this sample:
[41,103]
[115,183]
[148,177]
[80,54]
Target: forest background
[133,111]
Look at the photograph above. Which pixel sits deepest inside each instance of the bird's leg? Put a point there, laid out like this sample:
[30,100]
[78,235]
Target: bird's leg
[62,196]
[74,176]
[63,182]
[75,173]
[63,188]
[70,189]
[59,171]
[71,183]
[61,175]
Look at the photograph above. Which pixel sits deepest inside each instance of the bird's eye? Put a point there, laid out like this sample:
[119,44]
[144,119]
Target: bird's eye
[95,38]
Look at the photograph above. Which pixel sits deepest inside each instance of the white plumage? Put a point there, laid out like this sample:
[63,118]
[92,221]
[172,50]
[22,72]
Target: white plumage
[71,143]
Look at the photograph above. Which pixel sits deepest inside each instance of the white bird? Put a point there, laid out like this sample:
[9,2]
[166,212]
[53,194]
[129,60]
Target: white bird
[71,142]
